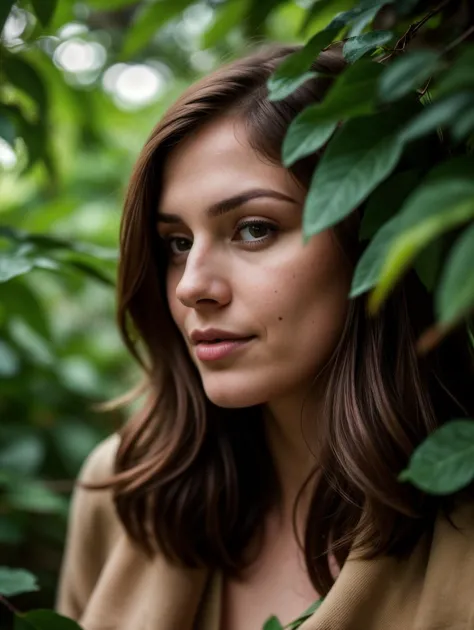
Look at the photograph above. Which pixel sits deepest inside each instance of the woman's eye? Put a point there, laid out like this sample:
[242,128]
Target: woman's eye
[178,245]
[256,231]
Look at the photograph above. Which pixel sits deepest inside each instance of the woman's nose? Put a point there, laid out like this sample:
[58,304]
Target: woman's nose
[203,282]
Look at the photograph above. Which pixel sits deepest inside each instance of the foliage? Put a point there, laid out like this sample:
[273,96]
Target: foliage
[398,137]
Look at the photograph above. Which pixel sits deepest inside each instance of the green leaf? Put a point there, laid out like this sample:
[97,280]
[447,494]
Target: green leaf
[5,8]
[149,19]
[34,496]
[407,73]
[12,266]
[272,624]
[455,294]
[427,263]
[228,17]
[384,202]
[111,5]
[294,70]
[355,47]
[444,462]
[9,361]
[344,11]
[438,114]
[432,209]
[16,581]
[352,94]
[362,21]
[44,620]
[459,76]
[304,616]
[44,10]
[463,125]
[23,455]
[21,300]
[7,128]
[362,153]
[26,78]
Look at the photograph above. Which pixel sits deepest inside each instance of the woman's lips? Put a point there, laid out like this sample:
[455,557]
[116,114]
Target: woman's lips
[213,351]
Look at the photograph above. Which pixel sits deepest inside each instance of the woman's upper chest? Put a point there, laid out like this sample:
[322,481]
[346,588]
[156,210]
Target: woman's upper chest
[277,584]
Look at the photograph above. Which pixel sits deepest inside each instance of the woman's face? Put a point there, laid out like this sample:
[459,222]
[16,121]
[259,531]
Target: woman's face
[238,269]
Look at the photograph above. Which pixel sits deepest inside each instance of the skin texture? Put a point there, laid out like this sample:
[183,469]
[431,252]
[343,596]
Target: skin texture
[255,280]
[291,296]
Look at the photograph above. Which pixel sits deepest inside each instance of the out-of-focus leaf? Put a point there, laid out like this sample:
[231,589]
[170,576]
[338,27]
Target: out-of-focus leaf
[34,496]
[455,293]
[326,9]
[439,114]
[111,5]
[7,128]
[34,346]
[384,202]
[20,300]
[362,153]
[257,14]
[353,94]
[44,10]
[12,266]
[444,462]
[44,620]
[433,208]
[25,77]
[23,455]
[363,20]
[295,69]
[228,17]
[74,440]
[11,532]
[5,8]
[464,124]
[355,47]
[16,581]
[9,361]
[459,76]
[149,19]
[405,7]
[428,263]
[406,73]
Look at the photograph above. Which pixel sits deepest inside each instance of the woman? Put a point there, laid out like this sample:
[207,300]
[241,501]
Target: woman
[262,473]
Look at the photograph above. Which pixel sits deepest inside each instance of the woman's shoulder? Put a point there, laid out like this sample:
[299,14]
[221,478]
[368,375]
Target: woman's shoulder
[99,464]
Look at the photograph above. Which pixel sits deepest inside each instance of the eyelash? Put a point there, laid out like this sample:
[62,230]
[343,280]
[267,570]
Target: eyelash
[249,244]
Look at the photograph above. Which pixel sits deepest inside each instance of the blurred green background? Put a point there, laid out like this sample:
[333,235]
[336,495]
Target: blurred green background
[81,86]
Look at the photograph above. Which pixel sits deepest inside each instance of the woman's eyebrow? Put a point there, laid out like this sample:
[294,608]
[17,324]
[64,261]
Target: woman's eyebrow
[231,203]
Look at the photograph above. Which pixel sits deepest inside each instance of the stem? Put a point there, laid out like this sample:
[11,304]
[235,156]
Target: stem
[460,39]
[10,607]
[414,28]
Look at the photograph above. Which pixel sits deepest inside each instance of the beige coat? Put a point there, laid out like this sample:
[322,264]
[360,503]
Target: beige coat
[107,584]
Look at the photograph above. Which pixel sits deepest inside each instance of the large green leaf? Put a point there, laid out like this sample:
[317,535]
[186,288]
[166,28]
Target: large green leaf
[5,8]
[362,153]
[295,69]
[44,620]
[460,75]
[256,16]
[353,94]
[344,11]
[149,19]
[444,462]
[44,10]
[438,114]
[406,73]
[355,47]
[435,207]
[16,581]
[455,293]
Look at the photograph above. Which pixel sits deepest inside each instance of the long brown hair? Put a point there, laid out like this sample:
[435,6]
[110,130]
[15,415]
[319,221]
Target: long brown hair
[195,480]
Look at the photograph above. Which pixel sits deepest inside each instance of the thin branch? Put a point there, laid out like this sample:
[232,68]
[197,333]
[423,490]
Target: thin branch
[460,39]
[8,605]
[414,28]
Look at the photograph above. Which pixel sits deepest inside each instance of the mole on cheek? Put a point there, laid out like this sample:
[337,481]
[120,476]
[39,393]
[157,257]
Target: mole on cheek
[280,319]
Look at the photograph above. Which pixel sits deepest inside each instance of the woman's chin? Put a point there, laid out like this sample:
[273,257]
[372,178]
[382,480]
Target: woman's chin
[232,398]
